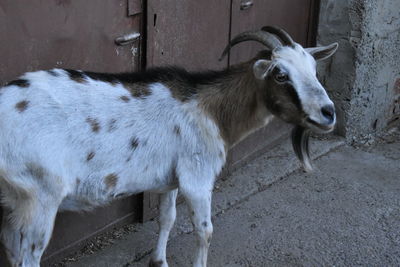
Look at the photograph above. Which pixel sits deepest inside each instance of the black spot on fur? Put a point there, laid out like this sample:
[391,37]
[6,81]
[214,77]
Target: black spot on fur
[289,90]
[21,239]
[293,95]
[204,224]
[134,143]
[111,125]
[52,73]
[20,82]
[163,74]
[104,77]
[177,130]
[90,156]
[77,76]
[33,247]
[125,98]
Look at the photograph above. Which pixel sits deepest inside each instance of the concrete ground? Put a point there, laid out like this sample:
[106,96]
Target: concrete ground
[270,213]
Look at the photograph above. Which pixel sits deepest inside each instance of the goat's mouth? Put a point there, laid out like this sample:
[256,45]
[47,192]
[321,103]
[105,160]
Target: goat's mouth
[319,127]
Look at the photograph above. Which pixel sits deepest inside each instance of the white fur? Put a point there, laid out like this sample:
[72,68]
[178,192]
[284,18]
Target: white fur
[53,133]
[301,67]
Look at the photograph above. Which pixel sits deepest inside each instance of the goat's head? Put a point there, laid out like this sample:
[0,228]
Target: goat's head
[290,87]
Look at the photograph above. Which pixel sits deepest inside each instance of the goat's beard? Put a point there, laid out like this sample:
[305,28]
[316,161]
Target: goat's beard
[300,138]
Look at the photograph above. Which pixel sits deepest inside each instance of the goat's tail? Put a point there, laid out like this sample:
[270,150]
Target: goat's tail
[300,137]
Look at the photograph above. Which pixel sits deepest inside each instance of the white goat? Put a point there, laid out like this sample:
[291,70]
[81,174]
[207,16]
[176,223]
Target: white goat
[73,140]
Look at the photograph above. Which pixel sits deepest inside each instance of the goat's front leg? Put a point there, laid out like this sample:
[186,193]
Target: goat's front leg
[198,198]
[166,221]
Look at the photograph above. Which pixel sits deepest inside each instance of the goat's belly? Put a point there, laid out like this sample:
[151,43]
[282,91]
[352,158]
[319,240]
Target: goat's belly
[82,203]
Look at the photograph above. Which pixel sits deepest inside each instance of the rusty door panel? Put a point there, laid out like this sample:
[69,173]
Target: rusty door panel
[191,34]
[77,34]
[292,15]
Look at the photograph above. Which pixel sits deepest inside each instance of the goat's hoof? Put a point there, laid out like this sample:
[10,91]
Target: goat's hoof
[153,263]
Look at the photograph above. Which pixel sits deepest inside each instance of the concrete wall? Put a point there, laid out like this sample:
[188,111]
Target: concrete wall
[363,78]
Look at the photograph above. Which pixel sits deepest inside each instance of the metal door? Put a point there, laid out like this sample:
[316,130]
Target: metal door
[191,34]
[78,34]
[298,18]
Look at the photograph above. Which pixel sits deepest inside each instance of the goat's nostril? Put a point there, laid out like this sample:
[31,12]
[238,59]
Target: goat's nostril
[328,112]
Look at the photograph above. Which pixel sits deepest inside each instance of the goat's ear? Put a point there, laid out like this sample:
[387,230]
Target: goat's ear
[323,52]
[261,68]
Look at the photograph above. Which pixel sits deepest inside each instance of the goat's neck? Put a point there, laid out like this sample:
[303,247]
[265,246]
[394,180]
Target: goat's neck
[235,102]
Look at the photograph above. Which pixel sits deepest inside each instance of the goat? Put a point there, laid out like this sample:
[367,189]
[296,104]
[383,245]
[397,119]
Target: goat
[74,140]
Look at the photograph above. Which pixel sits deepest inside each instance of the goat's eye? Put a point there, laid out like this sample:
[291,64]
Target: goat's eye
[281,77]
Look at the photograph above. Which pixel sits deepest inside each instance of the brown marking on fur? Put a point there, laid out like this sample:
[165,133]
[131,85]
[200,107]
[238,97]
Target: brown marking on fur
[138,90]
[179,91]
[177,130]
[90,156]
[36,170]
[125,98]
[111,180]
[22,105]
[134,143]
[111,125]
[94,124]
[153,263]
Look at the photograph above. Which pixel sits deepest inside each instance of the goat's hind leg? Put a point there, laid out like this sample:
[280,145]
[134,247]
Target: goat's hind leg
[166,221]
[26,243]
[26,232]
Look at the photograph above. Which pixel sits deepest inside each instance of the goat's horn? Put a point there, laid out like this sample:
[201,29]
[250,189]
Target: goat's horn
[263,37]
[283,35]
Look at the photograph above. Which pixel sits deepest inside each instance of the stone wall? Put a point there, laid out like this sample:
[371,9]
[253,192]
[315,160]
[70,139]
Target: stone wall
[363,78]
